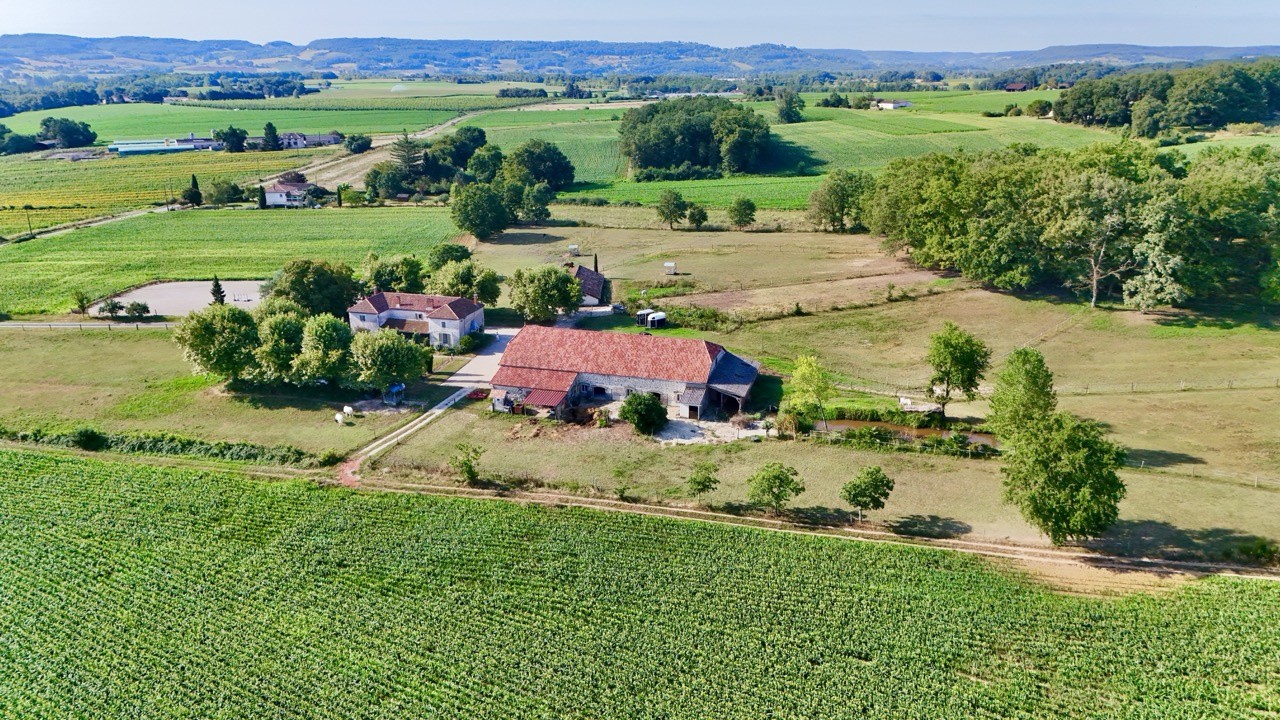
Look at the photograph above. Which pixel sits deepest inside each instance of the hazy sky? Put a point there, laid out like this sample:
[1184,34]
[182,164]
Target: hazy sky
[882,25]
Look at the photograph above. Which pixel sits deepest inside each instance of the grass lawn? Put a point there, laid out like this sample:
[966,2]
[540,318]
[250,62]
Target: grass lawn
[932,493]
[137,381]
[707,261]
[62,191]
[588,137]
[40,275]
[148,120]
[339,603]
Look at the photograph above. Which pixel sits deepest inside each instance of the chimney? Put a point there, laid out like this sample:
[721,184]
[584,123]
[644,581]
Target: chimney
[595,262]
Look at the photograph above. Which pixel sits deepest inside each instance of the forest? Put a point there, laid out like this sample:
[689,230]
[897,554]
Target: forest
[1154,103]
[697,137]
[1111,219]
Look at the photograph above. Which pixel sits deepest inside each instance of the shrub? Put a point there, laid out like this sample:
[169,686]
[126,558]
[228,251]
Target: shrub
[645,412]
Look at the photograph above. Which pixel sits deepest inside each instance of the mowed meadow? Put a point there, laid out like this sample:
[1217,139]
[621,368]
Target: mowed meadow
[41,274]
[234,598]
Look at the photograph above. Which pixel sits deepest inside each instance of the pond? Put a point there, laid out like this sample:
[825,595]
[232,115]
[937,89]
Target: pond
[910,433]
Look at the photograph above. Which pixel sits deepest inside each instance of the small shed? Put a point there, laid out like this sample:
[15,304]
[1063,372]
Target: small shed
[642,317]
[657,320]
[669,268]
[574,250]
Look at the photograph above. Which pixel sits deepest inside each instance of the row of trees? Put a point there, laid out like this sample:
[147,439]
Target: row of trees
[65,132]
[673,208]
[466,157]
[1110,219]
[1154,102]
[281,343]
[694,137]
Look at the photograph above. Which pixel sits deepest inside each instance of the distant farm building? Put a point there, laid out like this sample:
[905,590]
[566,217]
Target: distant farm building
[555,368]
[125,148]
[293,140]
[1017,87]
[594,285]
[288,195]
[441,319]
[892,104]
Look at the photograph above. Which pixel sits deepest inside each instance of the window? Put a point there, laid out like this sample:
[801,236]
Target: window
[361,318]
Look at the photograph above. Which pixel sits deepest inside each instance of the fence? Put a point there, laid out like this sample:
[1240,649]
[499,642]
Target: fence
[1103,388]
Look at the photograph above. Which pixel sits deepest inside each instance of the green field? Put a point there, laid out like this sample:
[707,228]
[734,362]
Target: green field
[62,191]
[139,591]
[40,275]
[588,137]
[136,381]
[147,121]
[390,88]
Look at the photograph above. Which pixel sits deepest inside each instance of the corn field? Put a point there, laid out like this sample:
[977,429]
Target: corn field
[141,591]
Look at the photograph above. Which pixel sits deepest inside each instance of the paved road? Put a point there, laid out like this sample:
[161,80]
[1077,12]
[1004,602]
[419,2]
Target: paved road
[475,374]
[483,366]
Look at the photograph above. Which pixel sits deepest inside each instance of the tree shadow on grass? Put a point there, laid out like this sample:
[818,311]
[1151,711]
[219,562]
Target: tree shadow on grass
[930,526]
[1225,317]
[1158,539]
[1161,458]
[820,516]
[787,158]
[517,237]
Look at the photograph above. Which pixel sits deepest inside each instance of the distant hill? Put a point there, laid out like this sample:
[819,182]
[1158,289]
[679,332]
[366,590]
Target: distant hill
[69,54]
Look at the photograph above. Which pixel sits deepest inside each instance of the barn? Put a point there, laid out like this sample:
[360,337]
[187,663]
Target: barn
[557,368]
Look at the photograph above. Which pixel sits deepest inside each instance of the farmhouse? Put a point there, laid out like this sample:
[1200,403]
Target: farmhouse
[556,368]
[443,320]
[1017,87]
[293,140]
[594,285]
[892,104]
[288,195]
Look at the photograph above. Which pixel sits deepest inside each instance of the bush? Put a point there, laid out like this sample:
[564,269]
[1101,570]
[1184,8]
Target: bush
[165,444]
[645,412]
[890,415]
[685,171]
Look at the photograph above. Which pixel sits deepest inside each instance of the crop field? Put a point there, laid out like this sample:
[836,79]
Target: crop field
[146,121]
[40,275]
[588,137]
[392,88]
[339,103]
[127,380]
[235,598]
[62,191]
[1164,514]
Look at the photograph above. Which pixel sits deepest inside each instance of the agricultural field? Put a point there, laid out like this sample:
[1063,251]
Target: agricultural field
[235,244]
[139,382]
[146,121]
[588,137]
[62,191]
[1163,514]
[332,602]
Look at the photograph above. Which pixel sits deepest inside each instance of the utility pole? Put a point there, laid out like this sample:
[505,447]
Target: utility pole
[30,233]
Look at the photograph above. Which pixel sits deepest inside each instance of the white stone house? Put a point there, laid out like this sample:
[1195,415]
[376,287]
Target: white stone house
[594,285]
[440,319]
[289,195]
[556,368]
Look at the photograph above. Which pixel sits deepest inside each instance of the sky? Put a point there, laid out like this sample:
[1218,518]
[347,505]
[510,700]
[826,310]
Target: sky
[989,25]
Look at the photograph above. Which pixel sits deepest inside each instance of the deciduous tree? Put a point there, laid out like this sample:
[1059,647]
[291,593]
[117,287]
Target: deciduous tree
[218,339]
[773,486]
[386,357]
[1023,395]
[868,490]
[959,361]
[742,212]
[1061,475]
[538,295]
[672,208]
[645,412]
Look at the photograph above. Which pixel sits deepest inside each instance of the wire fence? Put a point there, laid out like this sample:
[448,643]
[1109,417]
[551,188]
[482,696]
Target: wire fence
[87,326]
[1099,388]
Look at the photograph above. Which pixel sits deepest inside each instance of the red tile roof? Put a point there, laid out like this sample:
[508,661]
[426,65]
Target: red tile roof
[521,377]
[440,307]
[290,187]
[609,353]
